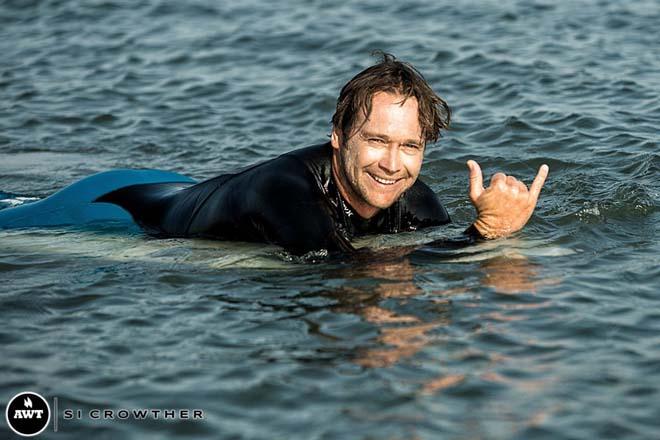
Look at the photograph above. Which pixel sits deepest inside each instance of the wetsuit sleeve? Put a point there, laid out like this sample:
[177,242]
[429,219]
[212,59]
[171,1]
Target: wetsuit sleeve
[288,212]
[469,237]
[421,208]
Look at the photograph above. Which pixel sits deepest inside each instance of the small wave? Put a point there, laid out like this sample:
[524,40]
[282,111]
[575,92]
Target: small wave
[511,126]
[15,201]
[317,256]
[443,55]
[624,201]
[641,166]
[105,118]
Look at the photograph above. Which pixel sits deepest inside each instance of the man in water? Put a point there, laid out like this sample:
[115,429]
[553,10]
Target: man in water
[364,181]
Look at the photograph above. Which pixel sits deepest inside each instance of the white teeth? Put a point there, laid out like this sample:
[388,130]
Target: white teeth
[383,181]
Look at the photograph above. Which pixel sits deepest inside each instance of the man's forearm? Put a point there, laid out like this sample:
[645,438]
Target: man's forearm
[469,237]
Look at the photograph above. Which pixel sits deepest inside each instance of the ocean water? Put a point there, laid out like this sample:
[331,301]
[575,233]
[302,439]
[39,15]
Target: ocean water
[552,333]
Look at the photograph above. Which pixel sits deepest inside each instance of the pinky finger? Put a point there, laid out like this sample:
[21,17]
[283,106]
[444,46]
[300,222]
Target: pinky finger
[539,180]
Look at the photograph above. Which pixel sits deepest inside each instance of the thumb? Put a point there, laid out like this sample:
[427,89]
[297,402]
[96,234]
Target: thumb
[476,180]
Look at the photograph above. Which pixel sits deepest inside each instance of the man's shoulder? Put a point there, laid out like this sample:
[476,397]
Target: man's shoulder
[312,152]
[285,165]
[316,158]
[424,206]
[293,175]
[310,166]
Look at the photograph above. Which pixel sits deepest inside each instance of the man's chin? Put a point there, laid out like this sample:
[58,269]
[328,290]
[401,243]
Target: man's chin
[383,203]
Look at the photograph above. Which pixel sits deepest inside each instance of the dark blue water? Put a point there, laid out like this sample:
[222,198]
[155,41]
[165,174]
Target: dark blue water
[553,333]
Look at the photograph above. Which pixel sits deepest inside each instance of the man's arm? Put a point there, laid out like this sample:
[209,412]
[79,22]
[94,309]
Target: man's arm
[502,209]
[422,208]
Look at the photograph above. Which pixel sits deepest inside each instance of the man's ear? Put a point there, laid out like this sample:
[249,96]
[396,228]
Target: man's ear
[334,139]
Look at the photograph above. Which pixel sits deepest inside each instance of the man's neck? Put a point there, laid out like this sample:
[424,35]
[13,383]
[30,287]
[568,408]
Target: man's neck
[362,209]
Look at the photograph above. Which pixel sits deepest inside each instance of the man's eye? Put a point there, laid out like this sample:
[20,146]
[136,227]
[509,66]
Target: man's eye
[380,141]
[414,146]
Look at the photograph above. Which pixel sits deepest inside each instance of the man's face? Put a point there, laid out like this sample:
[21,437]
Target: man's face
[382,157]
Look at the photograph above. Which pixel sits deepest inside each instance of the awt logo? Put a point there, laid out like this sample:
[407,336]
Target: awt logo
[27,414]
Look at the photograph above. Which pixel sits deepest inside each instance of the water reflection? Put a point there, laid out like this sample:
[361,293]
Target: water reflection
[371,283]
[509,275]
[513,274]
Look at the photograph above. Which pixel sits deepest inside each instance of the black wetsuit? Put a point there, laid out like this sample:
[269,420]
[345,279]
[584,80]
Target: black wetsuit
[291,201]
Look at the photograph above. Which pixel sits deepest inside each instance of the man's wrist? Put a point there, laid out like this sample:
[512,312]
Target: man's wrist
[489,232]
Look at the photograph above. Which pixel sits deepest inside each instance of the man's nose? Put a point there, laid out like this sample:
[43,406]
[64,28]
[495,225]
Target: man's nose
[391,162]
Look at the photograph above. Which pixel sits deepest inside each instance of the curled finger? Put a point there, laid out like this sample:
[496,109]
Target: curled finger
[498,179]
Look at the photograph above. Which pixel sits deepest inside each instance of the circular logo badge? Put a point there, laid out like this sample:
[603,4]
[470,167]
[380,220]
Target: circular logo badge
[27,414]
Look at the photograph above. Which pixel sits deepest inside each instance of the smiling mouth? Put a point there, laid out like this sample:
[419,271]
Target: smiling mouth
[383,181]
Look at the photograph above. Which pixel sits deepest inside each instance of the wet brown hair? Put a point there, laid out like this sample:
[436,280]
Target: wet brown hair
[392,76]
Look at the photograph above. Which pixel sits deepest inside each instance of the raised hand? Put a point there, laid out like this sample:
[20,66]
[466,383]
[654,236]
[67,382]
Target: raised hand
[506,205]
